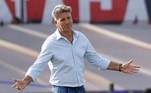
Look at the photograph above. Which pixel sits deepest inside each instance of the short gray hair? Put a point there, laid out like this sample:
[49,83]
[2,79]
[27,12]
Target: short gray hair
[60,9]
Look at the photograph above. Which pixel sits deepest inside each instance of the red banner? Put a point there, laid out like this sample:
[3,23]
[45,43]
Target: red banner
[98,11]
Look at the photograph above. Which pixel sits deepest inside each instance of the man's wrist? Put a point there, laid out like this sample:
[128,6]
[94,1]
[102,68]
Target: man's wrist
[27,79]
[120,67]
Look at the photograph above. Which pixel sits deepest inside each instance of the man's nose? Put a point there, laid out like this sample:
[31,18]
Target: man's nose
[67,21]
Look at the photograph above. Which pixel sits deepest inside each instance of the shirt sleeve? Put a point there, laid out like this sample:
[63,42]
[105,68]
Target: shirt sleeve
[94,58]
[41,62]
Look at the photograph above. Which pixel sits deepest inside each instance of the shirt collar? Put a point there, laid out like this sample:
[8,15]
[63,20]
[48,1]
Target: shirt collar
[58,35]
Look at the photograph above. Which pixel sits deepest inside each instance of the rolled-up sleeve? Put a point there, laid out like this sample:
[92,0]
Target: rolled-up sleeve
[40,64]
[94,58]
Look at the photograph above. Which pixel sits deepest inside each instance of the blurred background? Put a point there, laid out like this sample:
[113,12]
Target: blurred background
[118,29]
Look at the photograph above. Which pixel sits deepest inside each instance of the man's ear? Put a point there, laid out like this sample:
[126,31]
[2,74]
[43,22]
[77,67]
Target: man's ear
[55,22]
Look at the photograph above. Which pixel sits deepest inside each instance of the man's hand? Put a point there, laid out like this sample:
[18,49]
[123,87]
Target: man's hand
[19,84]
[128,68]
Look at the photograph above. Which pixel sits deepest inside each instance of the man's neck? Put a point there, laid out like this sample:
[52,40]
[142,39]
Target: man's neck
[68,35]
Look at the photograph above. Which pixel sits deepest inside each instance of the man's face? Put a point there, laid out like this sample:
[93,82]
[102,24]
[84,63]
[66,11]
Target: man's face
[64,22]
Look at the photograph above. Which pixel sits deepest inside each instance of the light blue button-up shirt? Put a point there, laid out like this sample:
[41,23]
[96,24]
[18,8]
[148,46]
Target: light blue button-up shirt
[66,60]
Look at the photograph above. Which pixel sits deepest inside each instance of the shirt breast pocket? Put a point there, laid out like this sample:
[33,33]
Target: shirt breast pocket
[80,51]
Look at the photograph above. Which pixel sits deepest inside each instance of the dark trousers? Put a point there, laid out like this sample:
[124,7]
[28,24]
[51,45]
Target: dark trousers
[61,89]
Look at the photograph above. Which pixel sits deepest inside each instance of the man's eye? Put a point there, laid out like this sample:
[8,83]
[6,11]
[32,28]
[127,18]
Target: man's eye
[68,18]
[62,19]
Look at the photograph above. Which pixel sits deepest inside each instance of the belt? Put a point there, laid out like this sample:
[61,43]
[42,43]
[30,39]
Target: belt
[78,87]
[74,87]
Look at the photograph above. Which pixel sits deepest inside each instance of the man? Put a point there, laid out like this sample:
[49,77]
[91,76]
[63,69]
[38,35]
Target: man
[64,51]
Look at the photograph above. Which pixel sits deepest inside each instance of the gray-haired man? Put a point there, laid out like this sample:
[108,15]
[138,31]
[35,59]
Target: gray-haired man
[64,51]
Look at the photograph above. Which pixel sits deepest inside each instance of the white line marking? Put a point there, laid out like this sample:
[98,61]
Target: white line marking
[22,50]
[100,81]
[116,36]
[18,48]
[20,71]
[28,31]
[92,28]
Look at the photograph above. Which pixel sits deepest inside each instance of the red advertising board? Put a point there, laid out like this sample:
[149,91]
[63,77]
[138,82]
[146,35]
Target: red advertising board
[98,11]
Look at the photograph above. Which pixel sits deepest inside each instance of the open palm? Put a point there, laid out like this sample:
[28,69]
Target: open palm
[129,69]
